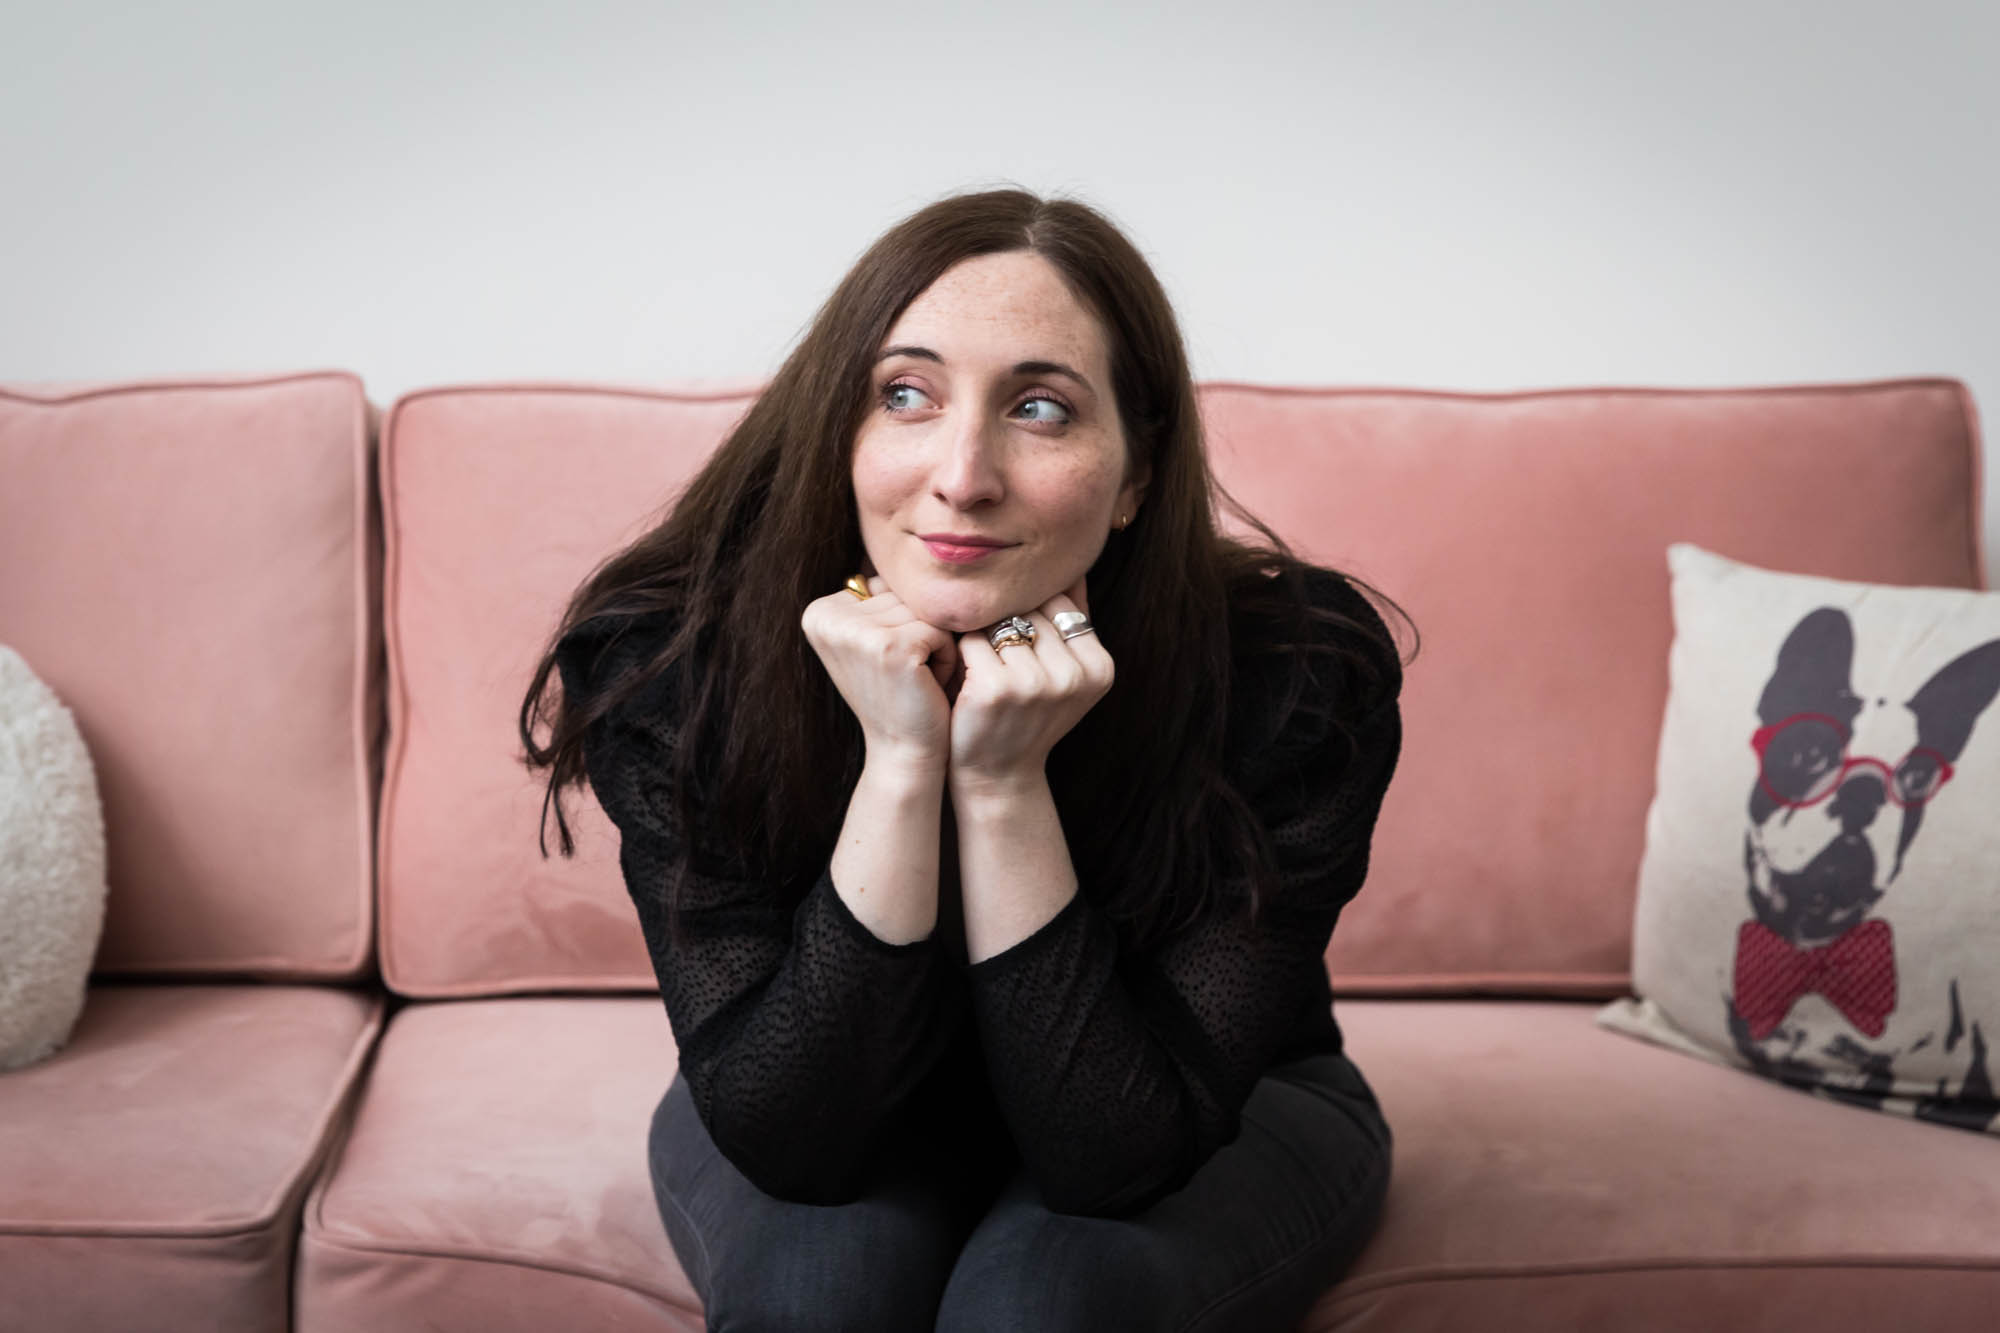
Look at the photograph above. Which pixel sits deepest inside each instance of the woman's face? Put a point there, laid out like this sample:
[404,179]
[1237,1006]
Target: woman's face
[991,465]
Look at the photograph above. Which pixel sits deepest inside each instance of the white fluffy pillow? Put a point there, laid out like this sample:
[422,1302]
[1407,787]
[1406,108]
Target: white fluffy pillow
[52,862]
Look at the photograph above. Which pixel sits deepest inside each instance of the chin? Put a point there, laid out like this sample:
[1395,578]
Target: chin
[959,609]
[957,617]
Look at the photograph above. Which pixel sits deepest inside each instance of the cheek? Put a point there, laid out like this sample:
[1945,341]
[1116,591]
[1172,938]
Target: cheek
[1075,500]
[879,484]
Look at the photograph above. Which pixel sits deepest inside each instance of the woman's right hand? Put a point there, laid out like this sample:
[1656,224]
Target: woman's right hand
[892,669]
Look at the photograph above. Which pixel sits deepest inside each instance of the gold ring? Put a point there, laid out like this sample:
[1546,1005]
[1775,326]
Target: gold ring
[1013,630]
[858,585]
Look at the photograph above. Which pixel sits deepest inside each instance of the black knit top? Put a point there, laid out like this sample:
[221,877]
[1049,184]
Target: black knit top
[812,1047]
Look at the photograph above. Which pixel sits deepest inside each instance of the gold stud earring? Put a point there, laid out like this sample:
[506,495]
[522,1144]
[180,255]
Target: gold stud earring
[1123,522]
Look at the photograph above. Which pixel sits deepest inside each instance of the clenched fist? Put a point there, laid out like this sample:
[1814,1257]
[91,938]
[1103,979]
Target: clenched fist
[894,671]
[1016,702]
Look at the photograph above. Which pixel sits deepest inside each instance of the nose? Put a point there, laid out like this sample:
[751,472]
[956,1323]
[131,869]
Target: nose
[968,469]
[1859,798]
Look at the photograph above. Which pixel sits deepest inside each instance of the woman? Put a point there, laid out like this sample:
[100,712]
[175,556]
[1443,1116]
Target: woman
[997,985]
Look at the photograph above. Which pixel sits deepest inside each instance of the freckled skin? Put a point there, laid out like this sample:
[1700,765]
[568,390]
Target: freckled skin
[968,450]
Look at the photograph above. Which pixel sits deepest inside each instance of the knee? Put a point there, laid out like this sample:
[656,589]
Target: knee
[854,1269]
[1056,1273]
[838,1288]
[783,1300]
[877,1265]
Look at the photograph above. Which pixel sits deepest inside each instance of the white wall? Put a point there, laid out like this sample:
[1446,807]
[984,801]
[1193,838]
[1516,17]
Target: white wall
[1463,195]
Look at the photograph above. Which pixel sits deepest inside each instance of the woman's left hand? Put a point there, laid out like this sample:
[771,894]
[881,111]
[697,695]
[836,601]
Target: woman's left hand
[1016,702]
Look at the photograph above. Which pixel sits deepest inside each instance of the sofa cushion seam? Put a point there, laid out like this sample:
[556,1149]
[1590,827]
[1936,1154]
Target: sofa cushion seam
[485,1256]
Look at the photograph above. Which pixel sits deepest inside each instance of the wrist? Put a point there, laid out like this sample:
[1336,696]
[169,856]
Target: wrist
[974,791]
[911,771]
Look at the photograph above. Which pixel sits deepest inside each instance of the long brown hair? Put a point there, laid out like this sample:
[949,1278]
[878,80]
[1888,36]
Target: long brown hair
[769,750]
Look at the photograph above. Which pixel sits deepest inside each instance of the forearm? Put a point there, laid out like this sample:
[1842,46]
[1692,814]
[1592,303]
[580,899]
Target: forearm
[1014,866]
[853,1018]
[885,865]
[795,1085]
[1103,1113]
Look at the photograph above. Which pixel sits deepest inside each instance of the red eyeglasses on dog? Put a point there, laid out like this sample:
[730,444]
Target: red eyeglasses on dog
[1803,759]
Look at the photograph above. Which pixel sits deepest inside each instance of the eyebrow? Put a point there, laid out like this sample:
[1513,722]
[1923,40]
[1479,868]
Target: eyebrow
[1020,367]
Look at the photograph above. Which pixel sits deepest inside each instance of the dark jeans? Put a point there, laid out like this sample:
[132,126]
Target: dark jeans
[1263,1228]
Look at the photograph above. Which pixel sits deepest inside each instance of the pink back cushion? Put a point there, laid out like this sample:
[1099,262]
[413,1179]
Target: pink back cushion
[1525,534]
[191,567]
[498,502]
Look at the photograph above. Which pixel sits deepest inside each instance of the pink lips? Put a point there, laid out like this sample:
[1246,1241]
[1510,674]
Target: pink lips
[960,550]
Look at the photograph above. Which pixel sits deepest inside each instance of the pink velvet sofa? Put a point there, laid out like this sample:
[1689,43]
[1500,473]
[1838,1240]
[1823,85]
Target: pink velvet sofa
[356,1058]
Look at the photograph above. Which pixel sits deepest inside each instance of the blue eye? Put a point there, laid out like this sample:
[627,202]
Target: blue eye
[889,391]
[890,405]
[1054,402]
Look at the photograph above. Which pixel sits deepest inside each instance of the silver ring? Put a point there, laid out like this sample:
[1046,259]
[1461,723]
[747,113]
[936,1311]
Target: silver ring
[1073,624]
[1011,631]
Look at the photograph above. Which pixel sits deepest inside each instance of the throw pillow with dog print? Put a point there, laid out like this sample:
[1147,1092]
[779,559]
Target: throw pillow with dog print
[1819,897]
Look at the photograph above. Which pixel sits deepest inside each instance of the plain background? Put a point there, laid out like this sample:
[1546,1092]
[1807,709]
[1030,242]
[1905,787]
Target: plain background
[1442,195]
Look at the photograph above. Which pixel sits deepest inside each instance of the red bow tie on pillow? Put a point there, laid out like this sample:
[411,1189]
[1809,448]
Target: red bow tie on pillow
[1857,972]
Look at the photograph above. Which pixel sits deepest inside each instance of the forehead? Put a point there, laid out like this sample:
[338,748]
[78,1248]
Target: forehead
[1005,307]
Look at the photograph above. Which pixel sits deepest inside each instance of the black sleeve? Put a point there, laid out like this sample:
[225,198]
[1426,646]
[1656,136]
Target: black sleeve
[800,1031]
[1120,1079]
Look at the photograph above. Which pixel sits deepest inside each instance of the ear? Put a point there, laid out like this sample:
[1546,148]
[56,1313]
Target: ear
[1952,700]
[1812,671]
[1811,676]
[1133,493]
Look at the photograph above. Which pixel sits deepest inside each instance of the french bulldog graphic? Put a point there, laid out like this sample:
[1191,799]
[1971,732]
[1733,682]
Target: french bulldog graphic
[1845,782]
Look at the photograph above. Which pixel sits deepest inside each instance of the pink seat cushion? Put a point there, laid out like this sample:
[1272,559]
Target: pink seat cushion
[1549,1174]
[192,569]
[151,1171]
[496,1176]
[1526,535]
